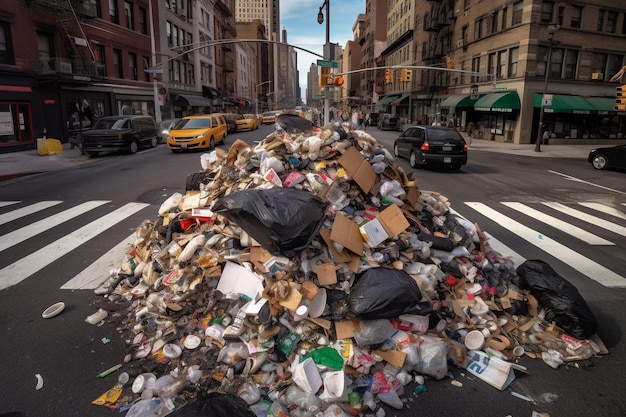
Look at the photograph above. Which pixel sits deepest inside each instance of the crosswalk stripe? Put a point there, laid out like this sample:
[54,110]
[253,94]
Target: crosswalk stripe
[604,209]
[584,265]
[581,215]
[33,229]
[28,265]
[25,211]
[95,274]
[505,251]
[565,227]
[8,203]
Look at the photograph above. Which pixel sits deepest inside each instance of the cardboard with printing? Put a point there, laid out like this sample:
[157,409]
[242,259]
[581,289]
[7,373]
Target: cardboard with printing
[390,222]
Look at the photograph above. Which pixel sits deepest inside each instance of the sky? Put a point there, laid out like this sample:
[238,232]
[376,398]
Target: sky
[299,18]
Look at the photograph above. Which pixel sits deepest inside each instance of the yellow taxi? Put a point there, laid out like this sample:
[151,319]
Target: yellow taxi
[197,132]
[247,122]
[269,117]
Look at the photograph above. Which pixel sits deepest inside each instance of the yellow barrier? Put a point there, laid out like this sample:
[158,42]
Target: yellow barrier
[49,146]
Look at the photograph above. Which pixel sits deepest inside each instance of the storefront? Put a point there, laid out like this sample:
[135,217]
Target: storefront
[17,95]
[496,115]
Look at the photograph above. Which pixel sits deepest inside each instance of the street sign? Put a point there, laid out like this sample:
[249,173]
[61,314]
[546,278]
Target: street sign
[546,100]
[328,64]
[154,70]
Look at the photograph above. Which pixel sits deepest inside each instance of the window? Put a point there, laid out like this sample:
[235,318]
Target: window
[44,47]
[600,20]
[494,22]
[502,63]
[143,21]
[100,64]
[132,65]
[6,45]
[113,13]
[478,28]
[118,71]
[577,12]
[146,65]
[475,68]
[168,28]
[504,17]
[611,22]
[546,11]
[517,12]
[130,15]
[513,59]
[570,64]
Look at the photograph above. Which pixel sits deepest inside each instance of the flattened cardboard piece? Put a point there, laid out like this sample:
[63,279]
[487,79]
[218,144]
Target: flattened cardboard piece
[458,306]
[394,357]
[412,194]
[308,289]
[326,274]
[346,232]
[342,256]
[259,254]
[354,264]
[294,299]
[359,169]
[237,279]
[323,323]
[345,328]
[390,222]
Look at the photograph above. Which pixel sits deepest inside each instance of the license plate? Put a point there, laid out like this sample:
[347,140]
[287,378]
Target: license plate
[447,148]
[447,160]
[183,146]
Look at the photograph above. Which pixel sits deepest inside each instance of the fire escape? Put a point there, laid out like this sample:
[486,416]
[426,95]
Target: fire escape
[228,31]
[436,24]
[76,64]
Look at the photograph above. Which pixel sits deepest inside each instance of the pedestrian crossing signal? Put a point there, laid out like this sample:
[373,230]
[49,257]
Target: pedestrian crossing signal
[407,75]
[620,98]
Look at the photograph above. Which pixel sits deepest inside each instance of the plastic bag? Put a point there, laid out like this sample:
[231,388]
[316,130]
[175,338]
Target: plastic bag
[372,332]
[433,357]
[282,220]
[381,293]
[563,302]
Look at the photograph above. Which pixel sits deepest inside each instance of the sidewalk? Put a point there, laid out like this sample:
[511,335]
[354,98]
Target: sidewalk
[17,164]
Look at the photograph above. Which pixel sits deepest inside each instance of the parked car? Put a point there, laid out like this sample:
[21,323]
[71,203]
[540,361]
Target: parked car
[197,132]
[247,122]
[374,118]
[389,122]
[120,133]
[269,118]
[231,121]
[431,145]
[608,157]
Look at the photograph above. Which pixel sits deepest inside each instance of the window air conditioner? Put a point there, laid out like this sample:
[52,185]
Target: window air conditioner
[65,67]
[597,76]
[460,43]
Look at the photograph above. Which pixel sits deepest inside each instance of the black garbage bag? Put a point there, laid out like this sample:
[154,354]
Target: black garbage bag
[564,304]
[216,404]
[282,220]
[381,293]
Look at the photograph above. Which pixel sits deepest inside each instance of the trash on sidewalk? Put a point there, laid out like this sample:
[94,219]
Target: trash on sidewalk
[49,146]
[284,276]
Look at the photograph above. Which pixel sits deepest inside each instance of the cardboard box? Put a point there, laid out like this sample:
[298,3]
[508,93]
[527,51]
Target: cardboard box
[390,222]
[346,232]
[326,274]
[359,169]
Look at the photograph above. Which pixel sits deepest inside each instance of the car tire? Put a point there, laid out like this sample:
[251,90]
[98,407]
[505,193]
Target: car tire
[600,161]
[134,147]
[92,154]
[413,159]
[154,142]
[396,151]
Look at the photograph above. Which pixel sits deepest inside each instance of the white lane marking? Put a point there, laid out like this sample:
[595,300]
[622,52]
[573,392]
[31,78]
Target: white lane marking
[33,229]
[605,209]
[96,273]
[611,227]
[28,265]
[582,264]
[25,211]
[8,203]
[569,177]
[505,251]
[565,227]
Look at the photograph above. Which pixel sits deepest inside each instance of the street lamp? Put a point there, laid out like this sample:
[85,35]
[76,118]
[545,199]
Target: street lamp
[551,29]
[257,94]
[327,54]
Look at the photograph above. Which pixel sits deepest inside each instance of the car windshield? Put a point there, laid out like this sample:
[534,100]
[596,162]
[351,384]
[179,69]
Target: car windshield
[115,124]
[192,124]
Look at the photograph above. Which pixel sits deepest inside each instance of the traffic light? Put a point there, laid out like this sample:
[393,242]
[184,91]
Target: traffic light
[406,75]
[326,77]
[620,98]
[449,63]
[337,80]
[388,76]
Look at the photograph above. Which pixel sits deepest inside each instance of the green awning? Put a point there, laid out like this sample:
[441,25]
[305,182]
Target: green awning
[501,102]
[562,103]
[400,100]
[459,100]
[387,99]
[603,105]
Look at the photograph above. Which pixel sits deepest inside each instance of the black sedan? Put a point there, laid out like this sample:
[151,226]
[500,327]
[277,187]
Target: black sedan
[431,145]
[609,157]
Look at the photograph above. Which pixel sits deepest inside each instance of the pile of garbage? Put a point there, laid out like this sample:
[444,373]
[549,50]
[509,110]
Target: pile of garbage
[309,275]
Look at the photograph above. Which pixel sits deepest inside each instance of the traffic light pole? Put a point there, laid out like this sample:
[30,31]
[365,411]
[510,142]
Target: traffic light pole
[327,55]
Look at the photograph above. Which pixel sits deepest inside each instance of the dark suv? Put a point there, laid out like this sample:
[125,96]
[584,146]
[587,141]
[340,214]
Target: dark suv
[120,133]
[389,122]
[431,145]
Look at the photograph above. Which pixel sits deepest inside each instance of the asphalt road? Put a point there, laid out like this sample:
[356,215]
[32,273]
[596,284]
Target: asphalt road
[69,353]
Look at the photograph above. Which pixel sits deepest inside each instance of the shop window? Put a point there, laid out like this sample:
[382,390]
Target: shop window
[15,124]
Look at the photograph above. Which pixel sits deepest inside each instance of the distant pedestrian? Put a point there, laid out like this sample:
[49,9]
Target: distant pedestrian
[546,137]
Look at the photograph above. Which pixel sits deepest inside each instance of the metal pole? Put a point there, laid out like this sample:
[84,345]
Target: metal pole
[155,87]
[551,30]
[328,54]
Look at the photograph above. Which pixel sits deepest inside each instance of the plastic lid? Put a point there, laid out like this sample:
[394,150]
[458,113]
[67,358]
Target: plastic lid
[53,310]
[474,340]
